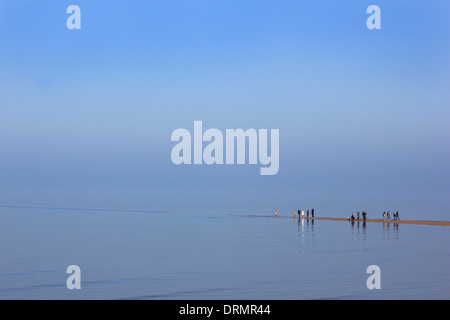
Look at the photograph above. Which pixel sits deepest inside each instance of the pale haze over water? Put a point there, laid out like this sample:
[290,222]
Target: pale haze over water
[86,175]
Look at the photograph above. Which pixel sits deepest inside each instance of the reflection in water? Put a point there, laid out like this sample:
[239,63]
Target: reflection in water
[306,228]
[359,225]
[387,228]
[307,222]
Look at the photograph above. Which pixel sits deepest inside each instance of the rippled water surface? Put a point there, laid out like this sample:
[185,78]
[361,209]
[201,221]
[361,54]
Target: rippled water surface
[163,255]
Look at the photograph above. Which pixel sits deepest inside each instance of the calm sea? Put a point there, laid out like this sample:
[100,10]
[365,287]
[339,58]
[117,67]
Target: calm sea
[188,255]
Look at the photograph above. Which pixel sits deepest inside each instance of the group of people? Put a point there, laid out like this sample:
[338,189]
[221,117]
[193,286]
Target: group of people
[301,213]
[387,215]
[353,217]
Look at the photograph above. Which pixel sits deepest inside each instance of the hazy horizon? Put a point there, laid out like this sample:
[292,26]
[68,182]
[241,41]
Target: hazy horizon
[86,115]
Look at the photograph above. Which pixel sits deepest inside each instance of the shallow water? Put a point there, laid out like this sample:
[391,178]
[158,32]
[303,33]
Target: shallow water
[164,255]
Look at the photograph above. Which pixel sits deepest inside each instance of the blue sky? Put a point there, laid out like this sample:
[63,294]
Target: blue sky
[86,115]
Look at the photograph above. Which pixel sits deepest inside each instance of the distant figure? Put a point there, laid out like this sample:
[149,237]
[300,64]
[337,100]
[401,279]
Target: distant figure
[307,213]
[358,215]
[384,215]
[276,212]
[388,215]
[396,216]
[364,214]
[353,216]
[303,213]
[294,214]
[312,213]
[299,213]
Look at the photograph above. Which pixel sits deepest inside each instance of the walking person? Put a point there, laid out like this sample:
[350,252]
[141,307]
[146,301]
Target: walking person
[395,215]
[384,215]
[312,213]
[388,215]
[364,214]
[357,215]
[398,218]
[307,213]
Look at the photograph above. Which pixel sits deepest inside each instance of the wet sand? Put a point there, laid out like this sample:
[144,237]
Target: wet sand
[434,223]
